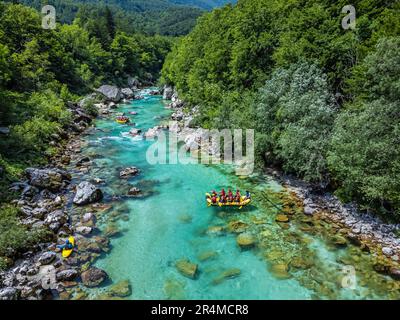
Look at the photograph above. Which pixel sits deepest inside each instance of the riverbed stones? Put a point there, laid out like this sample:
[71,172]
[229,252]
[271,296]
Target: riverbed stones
[83,230]
[9,293]
[87,193]
[134,191]
[111,93]
[237,226]
[280,271]
[47,257]
[245,240]
[66,275]
[127,93]
[226,274]
[93,277]
[187,268]
[387,251]
[207,255]
[51,179]
[120,289]
[128,172]
[281,218]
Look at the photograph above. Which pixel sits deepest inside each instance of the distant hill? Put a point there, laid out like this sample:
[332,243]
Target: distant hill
[165,17]
[204,4]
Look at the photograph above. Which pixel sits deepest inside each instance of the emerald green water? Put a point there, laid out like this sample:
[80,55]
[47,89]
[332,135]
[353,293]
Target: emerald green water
[172,224]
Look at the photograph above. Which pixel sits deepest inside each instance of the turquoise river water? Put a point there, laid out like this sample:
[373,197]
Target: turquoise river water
[173,222]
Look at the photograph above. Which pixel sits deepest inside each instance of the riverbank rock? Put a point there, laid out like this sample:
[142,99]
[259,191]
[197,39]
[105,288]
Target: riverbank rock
[128,172]
[93,277]
[120,289]
[207,255]
[8,293]
[127,93]
[47,258]
[168,92]
[282,218]
[87,193]
[245,240]
[112,93]
[187,268]
[56,219]
[66,275]
[51,179]
[4,130]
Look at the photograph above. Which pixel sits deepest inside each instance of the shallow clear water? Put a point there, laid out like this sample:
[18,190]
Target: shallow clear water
[172,224]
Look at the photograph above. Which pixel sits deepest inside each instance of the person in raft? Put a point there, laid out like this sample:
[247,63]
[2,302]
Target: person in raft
[230,195]
[248,195]
[238,196]
[67,245]
[214,196]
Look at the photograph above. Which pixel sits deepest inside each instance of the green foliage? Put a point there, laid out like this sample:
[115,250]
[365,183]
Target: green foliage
[296,111]
[145,16]
[14,237]
[321,99]
[364,155]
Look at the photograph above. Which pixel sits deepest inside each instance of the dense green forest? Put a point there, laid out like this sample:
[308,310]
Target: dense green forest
[146,16]
[324,101]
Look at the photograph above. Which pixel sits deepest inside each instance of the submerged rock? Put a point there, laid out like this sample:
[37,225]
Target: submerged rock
[168,92]
[245,240]
[280,271]
[8,293]
[174,289]
[93,277]
[128,172]
[237,226]
[187,268]
[120,289]
[282,218]
[227,274]
[87,193]
[207,255]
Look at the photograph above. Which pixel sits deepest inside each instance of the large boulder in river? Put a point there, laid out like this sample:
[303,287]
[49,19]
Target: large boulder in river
[187,268]
[51,179]
[87,193]
[112,93]
[127,93]
[245,240]
[93,277]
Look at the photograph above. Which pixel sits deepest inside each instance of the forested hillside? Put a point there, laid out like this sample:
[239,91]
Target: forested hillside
[40,70]
[165,17]
[324,101]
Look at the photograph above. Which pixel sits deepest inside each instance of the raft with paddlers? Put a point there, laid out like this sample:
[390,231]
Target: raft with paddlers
[227,200]
[122,119]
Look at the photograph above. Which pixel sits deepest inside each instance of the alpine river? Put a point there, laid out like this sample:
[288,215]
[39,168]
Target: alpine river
[171,222]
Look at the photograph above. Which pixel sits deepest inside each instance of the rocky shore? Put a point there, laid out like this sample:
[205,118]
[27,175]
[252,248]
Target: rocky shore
[45,196]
